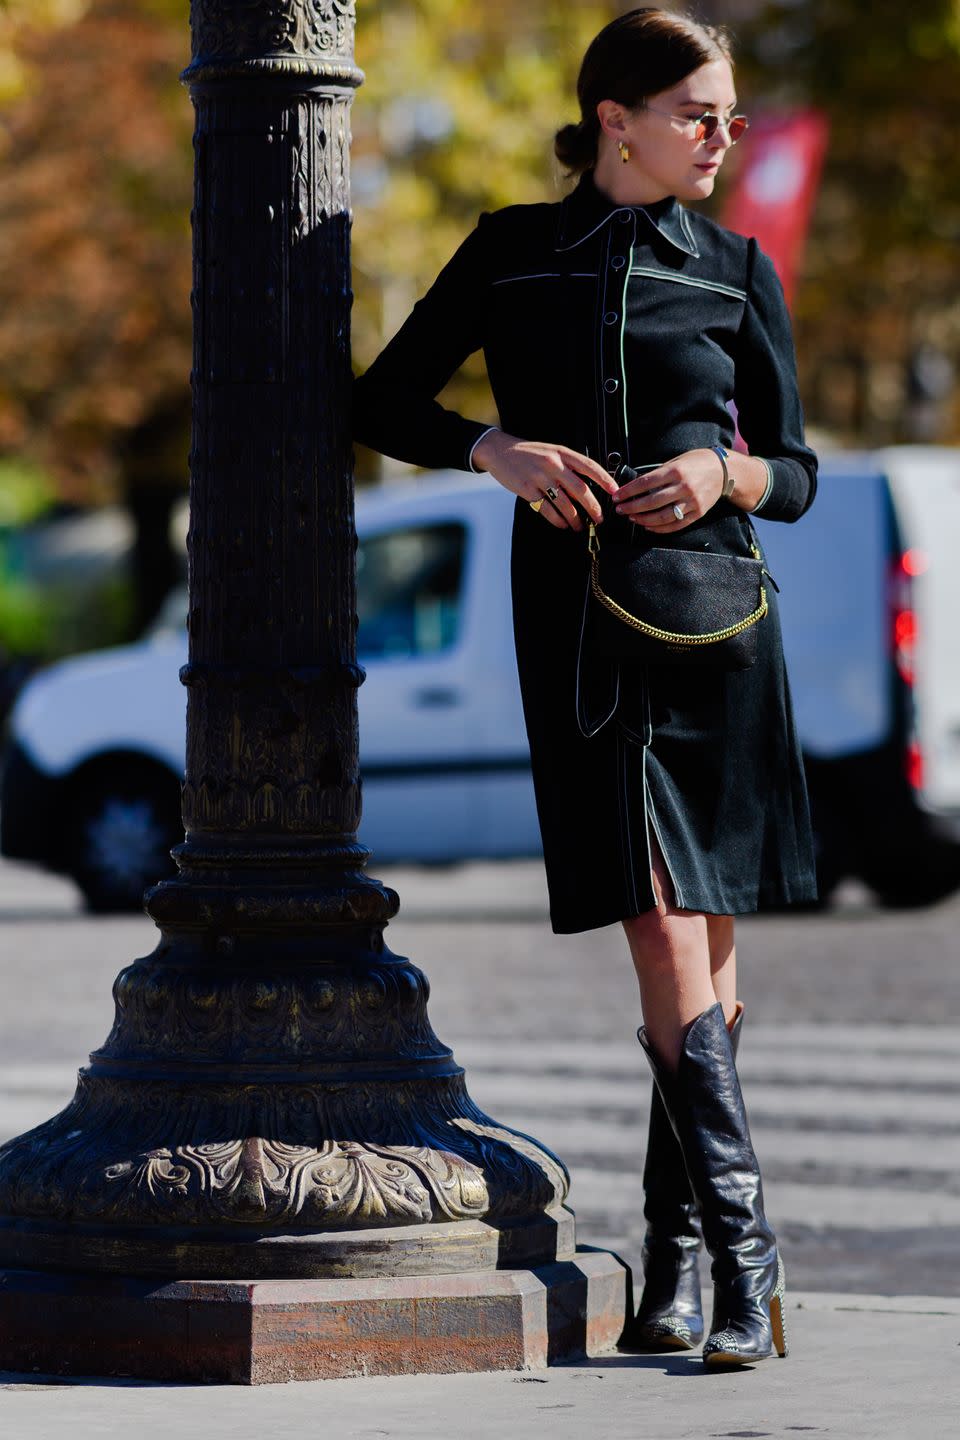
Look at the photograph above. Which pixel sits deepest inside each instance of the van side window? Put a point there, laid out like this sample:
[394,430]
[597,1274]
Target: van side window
[409,586]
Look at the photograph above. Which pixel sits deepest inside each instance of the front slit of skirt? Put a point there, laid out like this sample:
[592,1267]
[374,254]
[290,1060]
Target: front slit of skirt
[651,815]
[626,757]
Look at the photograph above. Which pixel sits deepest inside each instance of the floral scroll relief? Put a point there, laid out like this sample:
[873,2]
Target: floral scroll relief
[253,29]
[341,1183]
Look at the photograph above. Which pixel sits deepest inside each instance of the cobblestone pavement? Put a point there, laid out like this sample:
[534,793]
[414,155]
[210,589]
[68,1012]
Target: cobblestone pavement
[850,1054]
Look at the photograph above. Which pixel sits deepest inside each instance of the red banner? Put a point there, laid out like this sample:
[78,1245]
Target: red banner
[776,186]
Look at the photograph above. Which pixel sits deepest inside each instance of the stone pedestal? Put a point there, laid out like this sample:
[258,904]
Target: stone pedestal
[260,1331]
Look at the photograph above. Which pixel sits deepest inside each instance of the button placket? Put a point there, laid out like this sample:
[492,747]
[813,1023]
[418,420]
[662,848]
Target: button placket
[612,381]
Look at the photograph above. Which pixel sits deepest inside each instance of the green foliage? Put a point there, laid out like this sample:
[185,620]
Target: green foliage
[18,16]
[46,623]
[881,275]
[26,491]
[457,115]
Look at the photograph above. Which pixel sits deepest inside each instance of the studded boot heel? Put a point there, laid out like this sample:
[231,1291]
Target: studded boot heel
[669,1316]
[704,1103]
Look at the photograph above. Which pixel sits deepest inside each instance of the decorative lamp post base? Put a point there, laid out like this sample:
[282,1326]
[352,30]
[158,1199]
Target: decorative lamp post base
[258,1332]
[272,1167]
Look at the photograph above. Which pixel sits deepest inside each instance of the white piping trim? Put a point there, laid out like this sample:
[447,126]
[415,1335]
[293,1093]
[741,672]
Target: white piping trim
[651,812]
[768,491]
[625,817]
[683,221]
[685,227]
[489,430]
[623,322]
[574,243]
[655,274]
[601,402]
[545,275]
[582,723]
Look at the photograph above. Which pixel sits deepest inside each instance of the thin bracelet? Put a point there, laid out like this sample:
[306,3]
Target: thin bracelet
[766,494]
[728,482]
[470,465]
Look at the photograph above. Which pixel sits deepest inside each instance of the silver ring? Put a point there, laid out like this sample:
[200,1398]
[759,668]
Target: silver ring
[678,511]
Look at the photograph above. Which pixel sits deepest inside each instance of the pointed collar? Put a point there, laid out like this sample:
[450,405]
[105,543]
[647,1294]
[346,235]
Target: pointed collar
[586,209]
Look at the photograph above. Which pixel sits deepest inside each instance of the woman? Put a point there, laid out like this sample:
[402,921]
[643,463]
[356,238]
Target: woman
[617,327]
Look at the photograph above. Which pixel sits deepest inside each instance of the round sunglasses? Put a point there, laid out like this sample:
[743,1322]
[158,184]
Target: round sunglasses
[708,124]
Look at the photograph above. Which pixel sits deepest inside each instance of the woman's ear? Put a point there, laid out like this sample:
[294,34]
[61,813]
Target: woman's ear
[612,118]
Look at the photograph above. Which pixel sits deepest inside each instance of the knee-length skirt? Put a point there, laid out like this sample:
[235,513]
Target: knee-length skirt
[705,762]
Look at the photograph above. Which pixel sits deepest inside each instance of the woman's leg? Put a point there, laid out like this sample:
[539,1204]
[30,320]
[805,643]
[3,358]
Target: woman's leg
[685,965]
[723,962]
[673,958]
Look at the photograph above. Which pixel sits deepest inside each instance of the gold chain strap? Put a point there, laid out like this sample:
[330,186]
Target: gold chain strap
[668,636]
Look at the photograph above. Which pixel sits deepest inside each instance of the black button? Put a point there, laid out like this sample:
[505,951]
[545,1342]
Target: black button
[624,217]
[611,317]
[613,459]
[610,386]
[618,262]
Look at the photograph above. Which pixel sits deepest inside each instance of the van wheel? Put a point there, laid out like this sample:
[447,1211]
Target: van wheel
[123,824]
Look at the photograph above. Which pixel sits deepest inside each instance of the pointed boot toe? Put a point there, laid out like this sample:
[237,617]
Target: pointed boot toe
[753,1331]
[669,1316]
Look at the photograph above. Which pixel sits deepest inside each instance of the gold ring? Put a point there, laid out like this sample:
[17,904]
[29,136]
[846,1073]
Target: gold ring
[551,493]
[535,505]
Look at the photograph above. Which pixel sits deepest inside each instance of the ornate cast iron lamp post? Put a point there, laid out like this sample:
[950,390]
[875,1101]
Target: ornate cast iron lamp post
[272,1103]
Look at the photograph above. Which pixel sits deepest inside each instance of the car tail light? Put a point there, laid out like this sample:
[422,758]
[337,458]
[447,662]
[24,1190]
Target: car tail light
[913,762]
[903,640]
[903,617]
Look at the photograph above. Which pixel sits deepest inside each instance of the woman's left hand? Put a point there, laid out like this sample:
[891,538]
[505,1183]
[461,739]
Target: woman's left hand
[693,481]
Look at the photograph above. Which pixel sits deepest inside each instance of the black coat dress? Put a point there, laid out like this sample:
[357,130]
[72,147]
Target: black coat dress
[624,331]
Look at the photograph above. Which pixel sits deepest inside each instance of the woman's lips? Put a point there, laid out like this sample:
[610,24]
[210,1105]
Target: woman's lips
[709,168]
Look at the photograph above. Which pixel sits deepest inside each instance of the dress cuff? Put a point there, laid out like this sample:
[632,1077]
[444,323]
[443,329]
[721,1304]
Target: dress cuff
[470,465]
[769,486]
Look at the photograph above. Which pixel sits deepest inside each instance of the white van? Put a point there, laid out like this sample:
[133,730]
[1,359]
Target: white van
[869,588]
[870,582]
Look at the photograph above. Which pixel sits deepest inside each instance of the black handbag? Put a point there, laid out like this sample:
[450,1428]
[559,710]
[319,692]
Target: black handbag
[666,605]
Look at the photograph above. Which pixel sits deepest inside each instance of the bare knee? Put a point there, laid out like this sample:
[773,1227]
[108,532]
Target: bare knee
[649,938]
[658,943]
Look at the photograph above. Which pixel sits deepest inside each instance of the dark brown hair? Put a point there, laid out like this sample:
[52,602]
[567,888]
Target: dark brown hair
[636,55]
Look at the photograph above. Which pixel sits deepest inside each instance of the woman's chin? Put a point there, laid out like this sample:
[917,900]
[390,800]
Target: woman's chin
[700,186]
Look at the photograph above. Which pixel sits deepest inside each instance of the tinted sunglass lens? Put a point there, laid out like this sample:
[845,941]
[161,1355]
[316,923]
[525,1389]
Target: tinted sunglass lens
[737,127]
[707,127]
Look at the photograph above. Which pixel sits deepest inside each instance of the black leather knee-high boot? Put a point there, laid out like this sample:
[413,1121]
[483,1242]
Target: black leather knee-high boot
[704,1103]
[669,1316]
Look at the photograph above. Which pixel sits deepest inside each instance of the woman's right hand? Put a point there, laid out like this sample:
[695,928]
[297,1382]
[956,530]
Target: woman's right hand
[529,467]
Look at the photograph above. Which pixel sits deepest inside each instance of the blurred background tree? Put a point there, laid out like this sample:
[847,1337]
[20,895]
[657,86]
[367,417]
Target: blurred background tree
[457,115]
[95,142]
[878,314]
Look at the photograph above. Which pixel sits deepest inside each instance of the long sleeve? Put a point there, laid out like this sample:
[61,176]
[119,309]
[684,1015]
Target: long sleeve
[768,404]
[394,409]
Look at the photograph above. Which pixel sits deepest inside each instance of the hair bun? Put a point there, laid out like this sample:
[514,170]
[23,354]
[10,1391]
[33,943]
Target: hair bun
[574,146]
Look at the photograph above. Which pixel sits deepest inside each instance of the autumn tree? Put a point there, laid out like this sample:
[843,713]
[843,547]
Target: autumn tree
[878,312]
[95,261]
[457,115]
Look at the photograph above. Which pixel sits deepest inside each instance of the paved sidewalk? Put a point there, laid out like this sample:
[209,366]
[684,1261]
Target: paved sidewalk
[851,1064]
[860,1366]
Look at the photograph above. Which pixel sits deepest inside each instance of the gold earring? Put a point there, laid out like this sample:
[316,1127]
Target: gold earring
[624,149]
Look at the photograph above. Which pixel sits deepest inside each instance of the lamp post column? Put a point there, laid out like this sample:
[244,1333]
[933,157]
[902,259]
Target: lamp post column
[272,1103]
